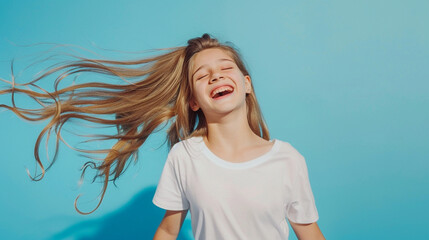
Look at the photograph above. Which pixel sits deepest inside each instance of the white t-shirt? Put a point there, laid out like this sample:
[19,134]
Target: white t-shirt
[247,200]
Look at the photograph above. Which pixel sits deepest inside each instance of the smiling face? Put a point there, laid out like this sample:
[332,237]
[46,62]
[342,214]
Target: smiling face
[219,86]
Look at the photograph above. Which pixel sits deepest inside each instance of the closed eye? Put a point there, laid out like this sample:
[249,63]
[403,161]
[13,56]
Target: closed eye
[227,68]
[202,77]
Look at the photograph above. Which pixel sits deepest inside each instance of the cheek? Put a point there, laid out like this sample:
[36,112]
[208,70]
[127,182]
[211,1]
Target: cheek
[198,91]
[242,82]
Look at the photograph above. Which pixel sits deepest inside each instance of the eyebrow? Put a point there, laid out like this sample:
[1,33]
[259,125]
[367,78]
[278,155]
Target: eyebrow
[220,60]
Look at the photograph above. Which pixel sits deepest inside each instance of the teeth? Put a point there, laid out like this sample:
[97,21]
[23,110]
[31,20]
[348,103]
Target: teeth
[221,89]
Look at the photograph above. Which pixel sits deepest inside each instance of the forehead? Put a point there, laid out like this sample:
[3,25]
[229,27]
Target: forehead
[208,56]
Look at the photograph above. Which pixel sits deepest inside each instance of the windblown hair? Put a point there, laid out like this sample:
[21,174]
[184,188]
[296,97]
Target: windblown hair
[160,93]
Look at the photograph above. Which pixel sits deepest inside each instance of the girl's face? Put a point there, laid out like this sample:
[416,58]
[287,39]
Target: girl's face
[218,84]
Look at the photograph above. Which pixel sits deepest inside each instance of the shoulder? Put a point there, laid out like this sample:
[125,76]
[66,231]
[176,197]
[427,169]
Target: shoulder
[184,149]
[190,144]
[288,152]
[286,147]
[176,150]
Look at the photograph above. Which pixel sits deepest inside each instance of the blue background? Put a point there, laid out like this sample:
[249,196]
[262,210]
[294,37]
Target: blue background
[345,82]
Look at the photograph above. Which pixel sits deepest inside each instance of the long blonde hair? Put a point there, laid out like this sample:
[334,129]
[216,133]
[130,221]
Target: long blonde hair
[160,94]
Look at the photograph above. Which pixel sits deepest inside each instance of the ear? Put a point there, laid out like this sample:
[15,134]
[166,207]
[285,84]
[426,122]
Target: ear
[248,83]
[194,105]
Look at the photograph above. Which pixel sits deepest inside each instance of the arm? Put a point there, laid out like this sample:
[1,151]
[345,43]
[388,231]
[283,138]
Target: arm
[170,225]
[309,231]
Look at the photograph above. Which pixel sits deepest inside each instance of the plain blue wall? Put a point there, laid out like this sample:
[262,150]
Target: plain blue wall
[345,82]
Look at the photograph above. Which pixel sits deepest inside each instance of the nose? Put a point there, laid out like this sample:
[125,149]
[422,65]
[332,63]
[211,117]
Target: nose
[215,77]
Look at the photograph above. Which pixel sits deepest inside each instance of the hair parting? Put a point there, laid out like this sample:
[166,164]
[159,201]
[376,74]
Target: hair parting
[156,91]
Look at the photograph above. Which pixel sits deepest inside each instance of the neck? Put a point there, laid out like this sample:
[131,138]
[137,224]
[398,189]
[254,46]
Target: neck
[231,131]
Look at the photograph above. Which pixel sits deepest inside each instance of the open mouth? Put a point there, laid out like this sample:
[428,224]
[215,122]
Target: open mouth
[221,91]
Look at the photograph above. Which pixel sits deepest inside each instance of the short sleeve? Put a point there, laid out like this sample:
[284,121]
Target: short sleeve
[169,193]
[302,207]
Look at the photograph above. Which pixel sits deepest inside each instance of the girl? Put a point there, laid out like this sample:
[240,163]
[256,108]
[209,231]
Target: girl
[222,166]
